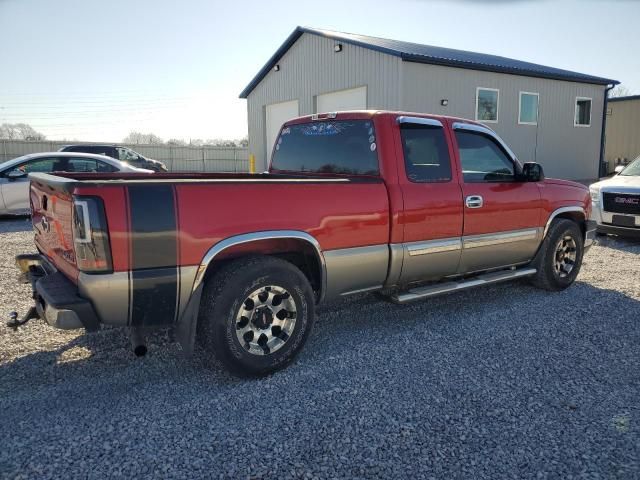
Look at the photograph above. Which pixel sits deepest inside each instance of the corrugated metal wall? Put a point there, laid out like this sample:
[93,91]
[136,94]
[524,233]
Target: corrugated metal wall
[563,150]
[623,131]
[177,159]
[311,67]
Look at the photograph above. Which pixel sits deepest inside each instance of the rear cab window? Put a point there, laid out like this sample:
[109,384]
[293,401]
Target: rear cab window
[346,147]
[426,156]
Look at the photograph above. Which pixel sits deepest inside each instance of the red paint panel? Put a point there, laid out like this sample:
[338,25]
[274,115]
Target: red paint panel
[507,206]
[337,215]
[53,227]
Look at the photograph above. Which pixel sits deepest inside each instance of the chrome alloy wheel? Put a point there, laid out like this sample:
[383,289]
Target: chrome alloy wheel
[265,320]
[565,256]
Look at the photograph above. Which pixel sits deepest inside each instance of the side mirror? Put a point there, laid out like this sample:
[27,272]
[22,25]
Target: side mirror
[15,174]
[619,168]
[532,172]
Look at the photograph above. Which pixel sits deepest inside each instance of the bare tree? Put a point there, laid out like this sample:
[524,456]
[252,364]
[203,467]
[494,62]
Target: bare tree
[20,131]
[220,142]
[176,141]
[142,138]
[619,91]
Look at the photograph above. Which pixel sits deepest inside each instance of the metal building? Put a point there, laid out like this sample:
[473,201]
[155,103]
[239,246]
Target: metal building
[623,131]
[548,115]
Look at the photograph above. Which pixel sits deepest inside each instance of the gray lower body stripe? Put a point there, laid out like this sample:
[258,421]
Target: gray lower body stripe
[488,240]
[435,246]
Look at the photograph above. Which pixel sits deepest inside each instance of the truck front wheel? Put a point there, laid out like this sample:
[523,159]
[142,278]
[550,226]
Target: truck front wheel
[559,259]
[256,314]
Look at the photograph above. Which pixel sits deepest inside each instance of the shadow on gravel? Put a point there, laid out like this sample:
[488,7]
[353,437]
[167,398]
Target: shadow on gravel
[11,224]
[624,244]
[340,329]
[105,357]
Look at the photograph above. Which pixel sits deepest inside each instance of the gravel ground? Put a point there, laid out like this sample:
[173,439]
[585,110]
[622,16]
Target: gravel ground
[502,382]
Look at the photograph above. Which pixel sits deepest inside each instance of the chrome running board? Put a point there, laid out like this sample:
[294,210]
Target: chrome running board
[447,287]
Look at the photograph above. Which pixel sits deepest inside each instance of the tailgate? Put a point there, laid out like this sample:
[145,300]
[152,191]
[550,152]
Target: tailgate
[52,218]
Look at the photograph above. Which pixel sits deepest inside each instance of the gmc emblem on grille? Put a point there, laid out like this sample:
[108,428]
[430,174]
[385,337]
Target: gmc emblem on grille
[628,201]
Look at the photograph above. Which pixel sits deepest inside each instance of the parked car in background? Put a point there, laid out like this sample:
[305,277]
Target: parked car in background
[121,153]
[616,201]
[410,205]
[14,181]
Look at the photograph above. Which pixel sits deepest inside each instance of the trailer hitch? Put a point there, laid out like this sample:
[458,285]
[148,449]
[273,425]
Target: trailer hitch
[14,323]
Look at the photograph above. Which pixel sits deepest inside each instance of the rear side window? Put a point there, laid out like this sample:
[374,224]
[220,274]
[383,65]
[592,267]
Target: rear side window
[342,146]
[426,157]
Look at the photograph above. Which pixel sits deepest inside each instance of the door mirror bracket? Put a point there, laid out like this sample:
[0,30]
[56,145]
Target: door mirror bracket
[15,175]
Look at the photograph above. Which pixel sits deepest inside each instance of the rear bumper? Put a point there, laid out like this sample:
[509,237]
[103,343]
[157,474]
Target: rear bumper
[56,298]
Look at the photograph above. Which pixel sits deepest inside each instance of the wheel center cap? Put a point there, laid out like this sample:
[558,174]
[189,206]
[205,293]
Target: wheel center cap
[262,317]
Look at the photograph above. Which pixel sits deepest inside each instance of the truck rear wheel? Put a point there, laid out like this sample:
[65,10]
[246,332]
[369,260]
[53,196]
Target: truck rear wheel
[256,314]
[560,257]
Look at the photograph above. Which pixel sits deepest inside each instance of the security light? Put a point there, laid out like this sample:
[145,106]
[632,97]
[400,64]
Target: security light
[444,102]
[277,68]
[337,47]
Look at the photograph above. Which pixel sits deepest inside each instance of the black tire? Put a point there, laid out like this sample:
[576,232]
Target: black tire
[226,293]
[547,275]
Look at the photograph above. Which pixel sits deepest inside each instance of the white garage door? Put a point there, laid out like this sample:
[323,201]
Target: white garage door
[277,114]
[352,99]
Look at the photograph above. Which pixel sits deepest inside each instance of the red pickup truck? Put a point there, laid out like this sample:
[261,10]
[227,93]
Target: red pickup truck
[409,205]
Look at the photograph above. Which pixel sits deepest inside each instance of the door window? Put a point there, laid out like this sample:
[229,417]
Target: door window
[126,155]
[42,165]
[88,165]
[426,157]
[483,160]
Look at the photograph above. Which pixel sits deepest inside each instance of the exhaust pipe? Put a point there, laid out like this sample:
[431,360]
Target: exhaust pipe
[138,343]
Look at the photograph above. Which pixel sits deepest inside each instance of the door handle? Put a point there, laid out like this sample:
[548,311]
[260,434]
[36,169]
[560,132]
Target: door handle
[474,201]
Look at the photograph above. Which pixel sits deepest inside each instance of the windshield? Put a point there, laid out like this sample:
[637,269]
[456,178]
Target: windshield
[15,161]
[633,169]
[340,146]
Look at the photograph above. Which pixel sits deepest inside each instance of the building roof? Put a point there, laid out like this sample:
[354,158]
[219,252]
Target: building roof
[621,99]
[415,52]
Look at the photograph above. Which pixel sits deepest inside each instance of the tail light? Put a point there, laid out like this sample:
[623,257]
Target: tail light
[90,235]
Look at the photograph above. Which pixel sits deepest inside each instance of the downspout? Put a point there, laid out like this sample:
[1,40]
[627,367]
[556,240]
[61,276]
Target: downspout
[604,126]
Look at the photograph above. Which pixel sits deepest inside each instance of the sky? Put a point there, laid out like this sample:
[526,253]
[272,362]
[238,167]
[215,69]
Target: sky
[95,70]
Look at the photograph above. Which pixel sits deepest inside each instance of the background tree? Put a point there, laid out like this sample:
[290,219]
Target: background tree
[176,141]
[144,138]
[619,91]
[19,131]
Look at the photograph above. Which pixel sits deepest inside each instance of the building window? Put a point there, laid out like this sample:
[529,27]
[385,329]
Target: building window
[528,112]
[583,112]
[487,104]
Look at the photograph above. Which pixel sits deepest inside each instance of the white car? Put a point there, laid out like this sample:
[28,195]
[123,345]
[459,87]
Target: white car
[615,201]
[14,180]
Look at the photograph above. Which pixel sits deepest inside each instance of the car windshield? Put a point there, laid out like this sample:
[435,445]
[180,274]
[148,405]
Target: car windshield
[633,169]
[9,164]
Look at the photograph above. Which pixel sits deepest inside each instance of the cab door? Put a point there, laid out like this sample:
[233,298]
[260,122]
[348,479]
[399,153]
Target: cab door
[502,213]
[432,214]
